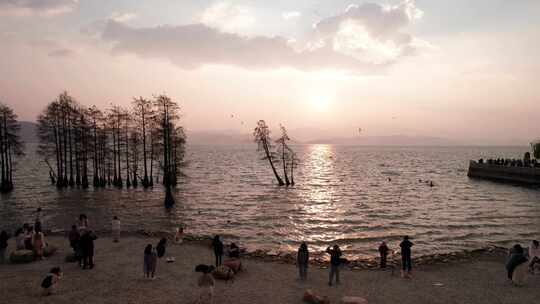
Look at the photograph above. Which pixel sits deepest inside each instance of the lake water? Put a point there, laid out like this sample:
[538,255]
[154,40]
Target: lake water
[343,194]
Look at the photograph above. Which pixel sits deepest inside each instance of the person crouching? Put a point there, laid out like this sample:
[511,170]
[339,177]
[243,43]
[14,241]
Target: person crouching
[48,285]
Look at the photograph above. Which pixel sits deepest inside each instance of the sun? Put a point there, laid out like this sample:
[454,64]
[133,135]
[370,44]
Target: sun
[320,100]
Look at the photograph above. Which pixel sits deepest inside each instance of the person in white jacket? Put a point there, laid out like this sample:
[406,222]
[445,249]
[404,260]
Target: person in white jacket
[116,229]
[534,255]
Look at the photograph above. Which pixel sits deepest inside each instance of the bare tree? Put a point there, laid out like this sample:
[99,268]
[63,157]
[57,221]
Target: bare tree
[284,149]
[261,136]
[167,114]
[143,114]
[10,146]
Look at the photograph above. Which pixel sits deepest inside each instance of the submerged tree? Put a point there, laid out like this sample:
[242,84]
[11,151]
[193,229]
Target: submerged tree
[261,135]
[55,126]
[536,149]
[167,115]
[71,136]
[10,146]
[284,151]
[293,163]
[143,113]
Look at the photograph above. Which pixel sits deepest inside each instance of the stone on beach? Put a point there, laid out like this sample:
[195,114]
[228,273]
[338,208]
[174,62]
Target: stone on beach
[312,298]
[353,300]
[223,273]
[22,256]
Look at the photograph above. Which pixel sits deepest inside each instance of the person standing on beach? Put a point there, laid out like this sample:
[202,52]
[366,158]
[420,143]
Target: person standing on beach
[28,237]
[302,261]
[335,262]
[19,239]
[218,250]
[83,222]
[383,252]
[38,223]
[74,242]
[4,237]
[149,262]
[406,257]
[160,248]
[87,248]
[534,255]
[115,225]
[38,244]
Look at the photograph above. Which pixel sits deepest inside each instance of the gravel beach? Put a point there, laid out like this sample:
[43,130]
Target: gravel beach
[118,278]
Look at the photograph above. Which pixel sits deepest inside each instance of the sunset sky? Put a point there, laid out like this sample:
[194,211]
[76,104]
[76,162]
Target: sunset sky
[458,69]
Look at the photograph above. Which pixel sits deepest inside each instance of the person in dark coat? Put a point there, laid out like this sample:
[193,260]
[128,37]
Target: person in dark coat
[302,261]
[74,241]
[406,257]
[517,257]
[217,245]
[149,262]
[28,235]
[335,262]
[160,248]
[383,252]
[87,248]
[4,237]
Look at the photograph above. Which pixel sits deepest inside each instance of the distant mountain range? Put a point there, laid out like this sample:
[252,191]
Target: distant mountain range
[306,136]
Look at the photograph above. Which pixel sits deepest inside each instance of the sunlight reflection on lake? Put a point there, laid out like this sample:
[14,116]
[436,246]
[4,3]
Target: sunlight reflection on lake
[353,196]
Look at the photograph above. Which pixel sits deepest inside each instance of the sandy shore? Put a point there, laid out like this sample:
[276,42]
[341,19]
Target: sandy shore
[117,278]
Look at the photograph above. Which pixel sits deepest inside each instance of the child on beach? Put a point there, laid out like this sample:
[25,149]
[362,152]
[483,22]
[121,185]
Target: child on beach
[50,281]
[406,257]
[335,262]
[179,235]
[149,262]
[383,251]
[302,261]
[217,245]
[115,229]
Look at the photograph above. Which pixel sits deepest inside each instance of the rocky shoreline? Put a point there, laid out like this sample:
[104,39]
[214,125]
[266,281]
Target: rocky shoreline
[319,261]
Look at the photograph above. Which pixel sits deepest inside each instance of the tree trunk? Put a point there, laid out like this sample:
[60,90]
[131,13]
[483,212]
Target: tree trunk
[267,151]
[128,182]
[284,163]
[118,138]
[95,162]
[3,179]
[145,180]
[70,137]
